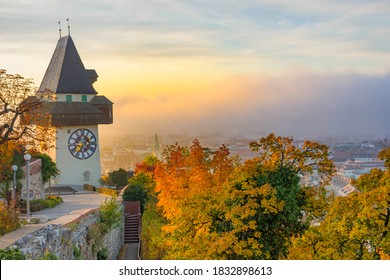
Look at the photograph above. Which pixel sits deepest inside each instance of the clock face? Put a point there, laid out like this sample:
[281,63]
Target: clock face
[82,143]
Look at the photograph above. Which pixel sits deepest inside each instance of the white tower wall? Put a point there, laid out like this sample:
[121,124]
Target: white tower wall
[74,171]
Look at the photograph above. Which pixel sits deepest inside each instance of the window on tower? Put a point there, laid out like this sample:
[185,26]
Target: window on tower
[84,98]
[69,98]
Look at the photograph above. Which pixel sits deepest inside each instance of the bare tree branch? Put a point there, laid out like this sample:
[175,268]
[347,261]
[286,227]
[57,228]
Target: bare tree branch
[21,116]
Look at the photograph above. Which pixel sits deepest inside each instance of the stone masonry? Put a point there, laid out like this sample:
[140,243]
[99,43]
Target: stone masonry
[37,187]
[74,240]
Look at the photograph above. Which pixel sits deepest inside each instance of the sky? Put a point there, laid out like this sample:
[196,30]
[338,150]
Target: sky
[236,68]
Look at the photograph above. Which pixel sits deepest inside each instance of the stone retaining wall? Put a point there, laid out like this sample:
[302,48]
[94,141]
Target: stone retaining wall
[78,240]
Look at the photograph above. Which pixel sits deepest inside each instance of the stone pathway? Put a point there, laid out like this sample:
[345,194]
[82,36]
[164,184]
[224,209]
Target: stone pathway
[70,209]
[130,252]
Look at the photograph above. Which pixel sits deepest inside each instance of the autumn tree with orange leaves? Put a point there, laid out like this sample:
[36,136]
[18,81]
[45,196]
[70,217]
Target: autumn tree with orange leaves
[264,204]
[209,208]
[216,210]
[20,111]
[23,122]
[189,183]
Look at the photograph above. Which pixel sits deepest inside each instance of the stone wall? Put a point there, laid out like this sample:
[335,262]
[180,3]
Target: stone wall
[78,240]
[37,187]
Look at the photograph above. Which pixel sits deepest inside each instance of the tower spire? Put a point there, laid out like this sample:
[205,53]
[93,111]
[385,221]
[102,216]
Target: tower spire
[156,149]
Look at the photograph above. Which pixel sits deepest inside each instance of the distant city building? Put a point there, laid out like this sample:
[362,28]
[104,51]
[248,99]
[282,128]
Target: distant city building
[341,156]
[347,190]
[365,156]
[353,169]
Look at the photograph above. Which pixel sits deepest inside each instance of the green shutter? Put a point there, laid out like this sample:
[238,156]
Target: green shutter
[84,98]
[69,98]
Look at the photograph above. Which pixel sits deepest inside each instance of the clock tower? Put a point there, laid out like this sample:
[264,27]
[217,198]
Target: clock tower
[76,111]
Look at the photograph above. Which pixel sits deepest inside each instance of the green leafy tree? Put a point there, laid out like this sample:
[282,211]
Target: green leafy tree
[355,227]
[277,151]
[151,160]
[137,189]
[265,206]
[317,202]
[370,181]
[49,167]
[119,177]
[263,210]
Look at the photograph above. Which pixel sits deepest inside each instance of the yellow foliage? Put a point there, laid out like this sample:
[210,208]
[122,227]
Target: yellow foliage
[9,219]
[277,151]
[23,116]
[216,210]
[189,187]
[355,227]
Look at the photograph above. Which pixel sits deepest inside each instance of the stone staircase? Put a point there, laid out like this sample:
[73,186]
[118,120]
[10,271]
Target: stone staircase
[132,228]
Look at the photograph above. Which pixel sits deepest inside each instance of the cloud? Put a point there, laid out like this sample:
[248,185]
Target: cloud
[298,103]
[141,48]
[251,36]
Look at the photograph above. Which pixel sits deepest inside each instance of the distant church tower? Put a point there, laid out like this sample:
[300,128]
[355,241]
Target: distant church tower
[156,149]
[76,112]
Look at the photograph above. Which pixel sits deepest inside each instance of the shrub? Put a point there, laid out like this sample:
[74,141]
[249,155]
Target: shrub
[102,254]
[95,234]
[119,177]
[88,187]
[106,191]
[9,218]
[49,256]
[76,252]
[6,192]
[37,205]
[110,214]
[51,201]
[154,239]
[135,191]
[11,254]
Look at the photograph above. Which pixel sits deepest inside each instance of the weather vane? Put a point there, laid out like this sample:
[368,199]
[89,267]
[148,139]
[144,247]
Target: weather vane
[59,27]
[68,26]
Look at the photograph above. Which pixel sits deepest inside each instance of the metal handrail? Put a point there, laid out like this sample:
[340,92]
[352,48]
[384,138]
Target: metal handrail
[139,235]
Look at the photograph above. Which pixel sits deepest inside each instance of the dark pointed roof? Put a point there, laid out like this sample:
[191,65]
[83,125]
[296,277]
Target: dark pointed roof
[66,72]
